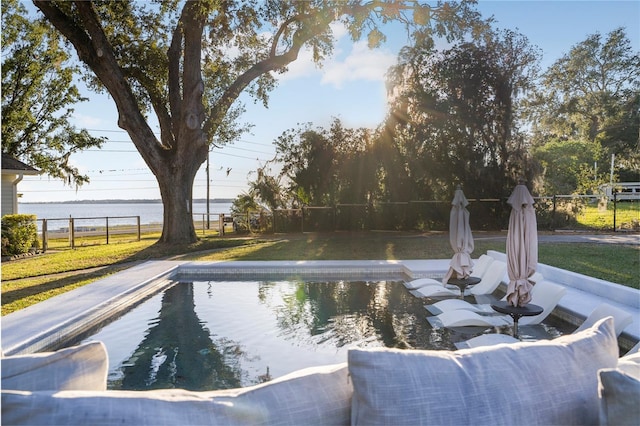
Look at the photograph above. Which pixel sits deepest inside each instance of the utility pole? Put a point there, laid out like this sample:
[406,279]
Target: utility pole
[208,221]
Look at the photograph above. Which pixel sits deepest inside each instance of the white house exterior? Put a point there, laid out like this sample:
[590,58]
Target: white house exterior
[13,171]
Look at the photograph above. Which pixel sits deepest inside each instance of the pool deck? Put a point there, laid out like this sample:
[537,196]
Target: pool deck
[39,326]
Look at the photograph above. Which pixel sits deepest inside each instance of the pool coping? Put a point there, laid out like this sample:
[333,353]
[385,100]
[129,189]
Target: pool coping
[38,326]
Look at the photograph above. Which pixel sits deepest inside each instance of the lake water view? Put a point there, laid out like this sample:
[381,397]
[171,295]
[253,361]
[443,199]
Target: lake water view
[149,212]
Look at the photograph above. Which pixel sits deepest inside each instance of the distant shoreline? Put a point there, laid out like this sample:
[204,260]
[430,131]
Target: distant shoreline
[127,201]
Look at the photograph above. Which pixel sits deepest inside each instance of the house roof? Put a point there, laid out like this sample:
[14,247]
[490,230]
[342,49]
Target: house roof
[12,165]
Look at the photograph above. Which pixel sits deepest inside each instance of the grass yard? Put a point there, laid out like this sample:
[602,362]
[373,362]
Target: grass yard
[30,280]
[627,216]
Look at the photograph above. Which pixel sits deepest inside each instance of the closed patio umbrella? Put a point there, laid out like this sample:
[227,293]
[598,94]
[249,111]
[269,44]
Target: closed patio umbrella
[460,238]
[522,246]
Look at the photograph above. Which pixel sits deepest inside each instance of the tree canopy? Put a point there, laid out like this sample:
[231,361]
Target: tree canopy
[187,62]
[592,93]
[38,97]
[454,116]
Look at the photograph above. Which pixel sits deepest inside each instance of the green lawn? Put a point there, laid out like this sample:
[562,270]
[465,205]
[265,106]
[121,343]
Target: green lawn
[30,280]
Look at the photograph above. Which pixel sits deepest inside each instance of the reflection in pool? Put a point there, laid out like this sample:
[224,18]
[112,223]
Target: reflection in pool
[219,335]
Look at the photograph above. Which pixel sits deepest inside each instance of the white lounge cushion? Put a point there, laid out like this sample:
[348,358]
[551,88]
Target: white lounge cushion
[464,318]
[481,265]
[448,305]
[546,294]
[83,367]
[535,383]
[487,340]
[455,304]
[435,291]
[491,279]
[317,395]
[421,282]
[621,317]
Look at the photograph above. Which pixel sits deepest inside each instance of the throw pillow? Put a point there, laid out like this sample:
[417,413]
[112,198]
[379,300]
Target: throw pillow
[544,383]
[313,396]
[619,394]
[82,367]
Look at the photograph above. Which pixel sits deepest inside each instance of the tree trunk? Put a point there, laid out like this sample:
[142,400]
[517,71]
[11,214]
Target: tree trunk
[176,184]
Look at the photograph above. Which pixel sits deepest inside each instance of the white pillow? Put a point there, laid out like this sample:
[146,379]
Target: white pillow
[83,367]
[620,392]
[630,364]
[313,396]
[620,398]
[544,383]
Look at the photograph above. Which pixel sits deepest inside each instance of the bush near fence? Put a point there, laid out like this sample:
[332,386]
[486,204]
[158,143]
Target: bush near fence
[19,234]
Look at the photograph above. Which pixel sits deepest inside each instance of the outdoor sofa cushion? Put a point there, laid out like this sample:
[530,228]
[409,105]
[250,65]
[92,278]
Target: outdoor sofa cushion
[313,396]
[620,392]
[82,367]
[551,382]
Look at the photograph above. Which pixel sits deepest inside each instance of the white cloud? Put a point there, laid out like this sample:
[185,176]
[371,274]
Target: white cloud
[350,62]
[361,63]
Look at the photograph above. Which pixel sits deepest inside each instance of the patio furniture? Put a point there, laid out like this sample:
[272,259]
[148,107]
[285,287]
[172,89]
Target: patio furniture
[480,267]
[545,294]
[455,304]
[516,312]
[487,285]
[621,319]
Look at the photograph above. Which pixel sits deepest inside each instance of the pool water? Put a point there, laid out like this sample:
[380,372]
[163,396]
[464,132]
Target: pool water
[226,334]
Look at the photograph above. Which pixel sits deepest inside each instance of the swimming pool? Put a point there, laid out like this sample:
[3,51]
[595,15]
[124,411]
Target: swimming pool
[209,335]
[226,334]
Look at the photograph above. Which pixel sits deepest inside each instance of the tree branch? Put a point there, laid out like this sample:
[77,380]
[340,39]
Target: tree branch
[94,49]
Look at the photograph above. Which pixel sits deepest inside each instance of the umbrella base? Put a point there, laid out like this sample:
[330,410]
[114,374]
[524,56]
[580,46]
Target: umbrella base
[463,283]
[516,312]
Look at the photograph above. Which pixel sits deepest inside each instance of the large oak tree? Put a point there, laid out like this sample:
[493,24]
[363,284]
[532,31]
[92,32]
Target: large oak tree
[188,62]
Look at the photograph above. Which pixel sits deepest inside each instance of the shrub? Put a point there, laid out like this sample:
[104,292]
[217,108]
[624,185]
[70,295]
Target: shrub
[19,234]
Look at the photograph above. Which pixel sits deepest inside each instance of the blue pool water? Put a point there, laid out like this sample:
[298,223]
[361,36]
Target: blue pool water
[226,334]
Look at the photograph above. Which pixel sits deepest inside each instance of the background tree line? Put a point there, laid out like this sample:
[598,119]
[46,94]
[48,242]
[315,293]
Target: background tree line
[184,63]
[479,113]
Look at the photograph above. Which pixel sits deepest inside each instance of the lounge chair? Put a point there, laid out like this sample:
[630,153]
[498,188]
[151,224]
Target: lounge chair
[487,285]
[455,304]
[544,294]
[480,266]
[621,319]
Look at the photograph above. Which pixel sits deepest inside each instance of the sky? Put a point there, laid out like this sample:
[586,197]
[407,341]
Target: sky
[349,86]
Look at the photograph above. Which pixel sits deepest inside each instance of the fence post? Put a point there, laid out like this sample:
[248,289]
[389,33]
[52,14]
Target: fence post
[203,223]
[45,237]
[302,221]
[72,238]
[615,199]
[138,219]
[553,214]
[107,223]
[221,225]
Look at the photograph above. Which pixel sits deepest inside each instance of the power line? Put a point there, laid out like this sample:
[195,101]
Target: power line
[128,189]
[124,131]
